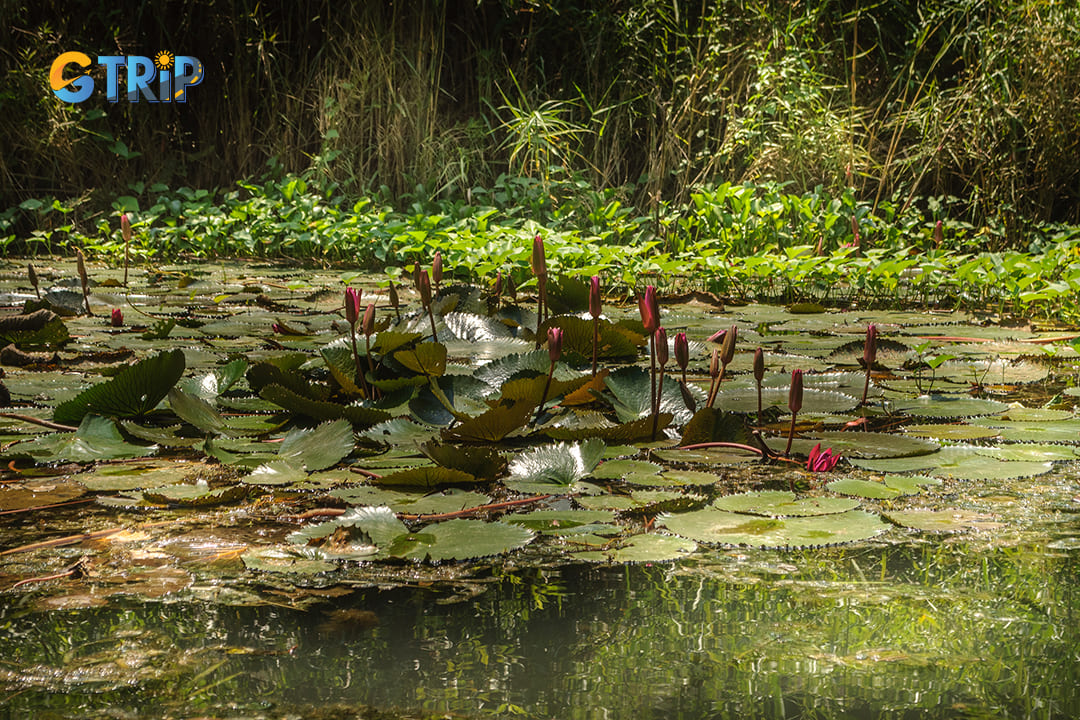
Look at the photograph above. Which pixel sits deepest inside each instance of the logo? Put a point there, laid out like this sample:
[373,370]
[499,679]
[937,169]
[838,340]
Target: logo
[163,79]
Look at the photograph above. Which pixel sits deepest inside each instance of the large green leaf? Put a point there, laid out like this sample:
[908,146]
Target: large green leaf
[462,539]
[777,503]
[650,548]
[96,439]
[197,412]
[135,391]
[41,328]
[555,466]
[322,410]
[727,528]
[319,448]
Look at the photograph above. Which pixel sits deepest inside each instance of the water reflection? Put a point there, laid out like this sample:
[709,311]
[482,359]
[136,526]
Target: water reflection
[900,631]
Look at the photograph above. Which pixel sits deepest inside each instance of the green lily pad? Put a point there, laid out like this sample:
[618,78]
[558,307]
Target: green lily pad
[868,489]
[858,444]
[276,472]
[744,400]
[651,547]
[911,484]
[618,469]
[950,406]
[558,522]
[462,539]
[96,439]
[1059,431]
[781,503]
[958,431]
[554,466]
[320,448]
[1025,414]
[135,391]
[714,526]
[941,520]
[284,560]
[428,478]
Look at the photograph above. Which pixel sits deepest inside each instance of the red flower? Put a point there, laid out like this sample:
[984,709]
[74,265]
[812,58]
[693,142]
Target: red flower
[661,346]
[870,346]
[822,461]
[759,365]
[795,393]
[117,317]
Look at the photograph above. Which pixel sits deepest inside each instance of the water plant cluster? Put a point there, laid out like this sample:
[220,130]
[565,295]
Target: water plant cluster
[749,242]
[355,428]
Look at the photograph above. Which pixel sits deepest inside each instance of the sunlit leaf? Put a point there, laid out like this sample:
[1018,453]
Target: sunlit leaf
[135,391]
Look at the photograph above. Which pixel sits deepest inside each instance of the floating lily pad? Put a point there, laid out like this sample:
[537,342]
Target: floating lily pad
[618,469]
[942,520]
[1031,452]
[651,547]
[557,522]
[869,489]
[911,484]
[950,406]
[284,560]
[859,444]
[550,467]
[96,439]
[780,503]
[726,528]
[958,431]
[462,539]
[135,391]
[320,448]
[1056,431]
[1024,414]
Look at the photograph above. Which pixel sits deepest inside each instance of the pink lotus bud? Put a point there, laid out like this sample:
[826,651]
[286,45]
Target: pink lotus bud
[856,239]
[539,262]
[594,296]
[759,365]
[717,337]
[682,350]
[650,310]
[555,336]
[939,234]
[394,300]
[277,329]
[425,288]
[870,346]
[498,285]
[369,319]
[714,364]
[125,227]
[117,318]
[352,305]
[795,394]
[727,349]
[436,270]
[660,341]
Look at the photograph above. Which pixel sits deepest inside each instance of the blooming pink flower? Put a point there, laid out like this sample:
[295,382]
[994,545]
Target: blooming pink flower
[822,461]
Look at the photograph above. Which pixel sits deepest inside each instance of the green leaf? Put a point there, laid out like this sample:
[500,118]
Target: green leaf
[135,391]
[41,328]
[320,448]
[322,410]
[197,412]
[462,539]
[725,528]
[556,465]
[652,547]
[96,439]
[777,503]
[425,359]
[426,478]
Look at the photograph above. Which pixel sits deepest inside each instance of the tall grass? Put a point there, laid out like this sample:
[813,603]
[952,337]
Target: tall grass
[974,99]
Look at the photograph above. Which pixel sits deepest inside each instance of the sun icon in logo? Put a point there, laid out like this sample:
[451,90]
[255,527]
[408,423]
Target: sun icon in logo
[163,60]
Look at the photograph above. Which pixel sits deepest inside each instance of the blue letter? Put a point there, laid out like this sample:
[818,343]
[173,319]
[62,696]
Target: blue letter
[140,71]
[112,65]
[189,73]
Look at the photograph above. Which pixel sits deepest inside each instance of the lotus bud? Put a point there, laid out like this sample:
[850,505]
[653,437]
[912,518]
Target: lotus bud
[649,310]
[395,302]
[759,365]
[714,364]
[594,296]
[717,337]
[352,306]
[660,340]
[80,264]
[32,273]
[368,325]
[511,289]
[682,351]
[539,261]
[117,318]
[436,270]
[554,336]
[498,285]
[727,349]
[125,227]
[425,289]
[856,238]
[939,234]
[277,329]
[870,346]
[795,394]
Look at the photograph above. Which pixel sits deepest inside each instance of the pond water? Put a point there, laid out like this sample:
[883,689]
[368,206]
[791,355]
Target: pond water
[938,629]
[488,533]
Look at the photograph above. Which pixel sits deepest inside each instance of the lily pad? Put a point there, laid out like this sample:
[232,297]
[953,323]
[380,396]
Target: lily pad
[462,539]
[96,439]
[135,391]
[941,520]
[320,448]
[284,560]
[726,528]
[650,547]
[957,431]
[950,406]
[868,489]
[780,503]
[554,466]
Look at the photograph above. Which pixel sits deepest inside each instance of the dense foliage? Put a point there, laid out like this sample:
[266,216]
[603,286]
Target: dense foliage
[976,100]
